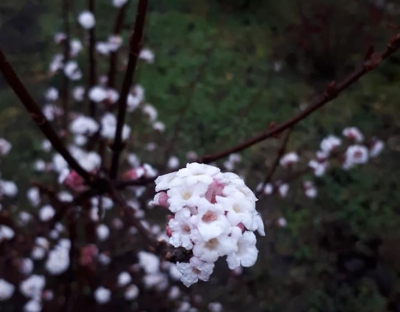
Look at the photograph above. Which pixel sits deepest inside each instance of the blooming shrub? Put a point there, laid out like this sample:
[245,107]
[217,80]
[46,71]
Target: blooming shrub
[90,225]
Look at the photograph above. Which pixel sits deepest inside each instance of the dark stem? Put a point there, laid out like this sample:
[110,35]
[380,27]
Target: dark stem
[135,45]
[332,91]
[119,22]
[147,235]
[275,164]
[65,81]
[92,60]
[38,117]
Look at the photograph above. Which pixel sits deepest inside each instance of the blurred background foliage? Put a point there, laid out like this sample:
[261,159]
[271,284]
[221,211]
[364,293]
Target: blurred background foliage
[225,69]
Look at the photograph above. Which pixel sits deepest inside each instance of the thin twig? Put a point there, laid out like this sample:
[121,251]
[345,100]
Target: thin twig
[65,79]
[275,164]
[147,235]
[135,45]
[113,60]
[92,59]
[38,117]
[332,91]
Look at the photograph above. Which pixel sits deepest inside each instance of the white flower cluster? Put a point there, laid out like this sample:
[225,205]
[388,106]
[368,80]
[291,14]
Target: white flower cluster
[6,290]
[214,216]
[58,259]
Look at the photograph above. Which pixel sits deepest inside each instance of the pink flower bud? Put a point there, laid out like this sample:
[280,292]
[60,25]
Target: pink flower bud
[168,231]
[169,217]
[134,174]
[74,181]
[214,189]
[163,199]
[241,226]
[87,255]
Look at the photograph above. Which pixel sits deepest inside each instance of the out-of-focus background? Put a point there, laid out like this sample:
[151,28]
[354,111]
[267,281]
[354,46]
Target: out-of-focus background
[225,69]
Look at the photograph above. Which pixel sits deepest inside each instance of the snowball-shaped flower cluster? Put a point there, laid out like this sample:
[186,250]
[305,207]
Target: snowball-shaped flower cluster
[214,216]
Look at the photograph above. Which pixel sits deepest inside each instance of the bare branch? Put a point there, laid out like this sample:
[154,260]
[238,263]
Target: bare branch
[275,164]
[92,59]
[332,91]
[119,22]
[135,45]
[65,79]
[38,117]
[148,236]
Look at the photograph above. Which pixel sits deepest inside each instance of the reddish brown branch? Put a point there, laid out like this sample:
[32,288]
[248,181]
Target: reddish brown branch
[38,117]
[135,45]
[332,91]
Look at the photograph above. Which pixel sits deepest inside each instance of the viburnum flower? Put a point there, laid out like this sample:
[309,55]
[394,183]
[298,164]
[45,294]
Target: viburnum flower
[86,19]
[159,126]
[124,278]
[6,233]
[32,286]
[56,63]
[119,3]
[330,143]
[355,155]
[52,112]
[6,290]
[78,93]
[353,133]
[51,94]
[25,266]
[75,47]
[72,71]
[194,270]
[103,232]
[147,55]
[33,306]
[173,162]
[131,292]
[109,126]
[376,148]
[318,166]
[289,159]
[46,213]
[180,229]
[84,125]
[59,37]
[214,215]
[5,147]
[33,195]
[102,295]
[97,94]
[8,188]
[58,259]
[114,42]
[246,251]
[309,189]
